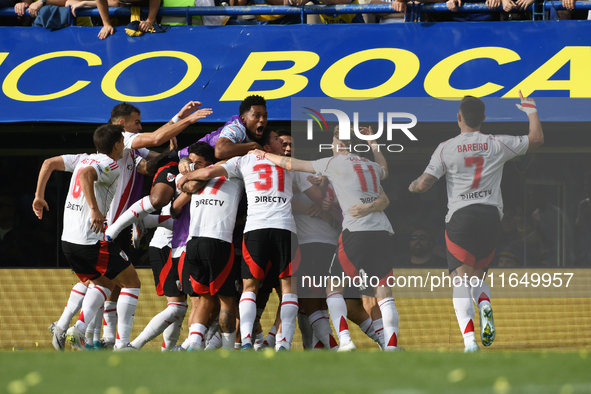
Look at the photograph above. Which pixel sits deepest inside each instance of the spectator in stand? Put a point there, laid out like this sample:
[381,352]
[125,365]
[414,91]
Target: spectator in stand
[399,8]
[420,253]
[459,16]
[34,7]
[78,4]
[508,259]
[145,26]
[207,20]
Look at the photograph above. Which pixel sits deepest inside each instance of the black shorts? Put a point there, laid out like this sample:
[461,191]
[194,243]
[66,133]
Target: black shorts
[93,261]
[270,252]
[316,260]
[210,268]
[165,270]
[471,236]
[363,254]
[167,174]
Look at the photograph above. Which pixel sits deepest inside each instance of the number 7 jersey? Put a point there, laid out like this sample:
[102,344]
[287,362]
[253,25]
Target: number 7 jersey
[473,166]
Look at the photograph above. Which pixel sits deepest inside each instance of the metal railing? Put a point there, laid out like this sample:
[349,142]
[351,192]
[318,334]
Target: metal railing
[413,10]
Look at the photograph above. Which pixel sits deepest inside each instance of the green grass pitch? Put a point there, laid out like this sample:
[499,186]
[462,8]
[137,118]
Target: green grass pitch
[222,372]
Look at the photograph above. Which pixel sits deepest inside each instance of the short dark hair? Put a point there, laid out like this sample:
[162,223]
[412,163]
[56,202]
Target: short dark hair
[204,150]
[266,138]
[282,132]
[106,136]
[248,102]
[472,110]
[354,140]
[123,111]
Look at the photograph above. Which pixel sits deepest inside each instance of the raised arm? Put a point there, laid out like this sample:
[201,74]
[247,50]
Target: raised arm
[202,174]
[422,183]
[226,149]
[107,28]
[87,177]
[285,162]
[536,133]
[170,130]
[49,165]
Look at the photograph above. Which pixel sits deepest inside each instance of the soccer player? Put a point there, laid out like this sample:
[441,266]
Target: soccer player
[209,270]
[164,266]
[355,180]
[91,191]
[472,163]
[269,233]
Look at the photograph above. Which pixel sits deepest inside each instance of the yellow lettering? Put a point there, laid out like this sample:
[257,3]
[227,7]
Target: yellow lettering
[252,71]
[109,81]
[407,66]
[3,56]
[579,84]
[437,80]
[10,85]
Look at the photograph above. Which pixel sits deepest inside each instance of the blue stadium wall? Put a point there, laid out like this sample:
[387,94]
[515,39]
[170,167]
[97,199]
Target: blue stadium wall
[69,75]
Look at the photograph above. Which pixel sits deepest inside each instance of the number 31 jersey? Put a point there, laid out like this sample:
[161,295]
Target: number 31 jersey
[356,180]
[473,166]
[76,211]
[268,190]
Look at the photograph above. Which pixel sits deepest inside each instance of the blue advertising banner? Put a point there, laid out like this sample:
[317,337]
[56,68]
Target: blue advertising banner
[69,75]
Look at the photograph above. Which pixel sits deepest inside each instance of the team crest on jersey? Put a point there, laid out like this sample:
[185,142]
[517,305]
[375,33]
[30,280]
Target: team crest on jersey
[170,177]
[107,169]
[123,256]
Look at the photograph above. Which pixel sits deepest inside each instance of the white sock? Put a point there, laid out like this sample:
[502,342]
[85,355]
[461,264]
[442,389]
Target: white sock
[137,211]
[196,335]
[289,311]
[185,345]
[271,336]
[228,340]
[338,313]
[73,306]
[98,320]
[166,221]
[110,321]
[481,294]
[93,300]
[248,311]
[321,328]
[390,321]
[464,307]
[333,342]
[306,330]
[160,322]
[126,306]
[171,335]
[279,340]
[373,329]
[216,342]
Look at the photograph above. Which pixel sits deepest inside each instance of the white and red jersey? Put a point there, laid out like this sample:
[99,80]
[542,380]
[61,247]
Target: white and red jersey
[127,164]
[76,210]
[213,209]
[356,180]
[162,236]
[268,190]
[473,166]
[313,229]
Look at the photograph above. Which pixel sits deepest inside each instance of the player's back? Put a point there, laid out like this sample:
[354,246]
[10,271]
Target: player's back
[473,164]
[356,180]
[77,213]
[268,189]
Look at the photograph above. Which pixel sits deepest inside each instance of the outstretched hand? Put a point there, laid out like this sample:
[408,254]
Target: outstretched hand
[528,105]
[188,109]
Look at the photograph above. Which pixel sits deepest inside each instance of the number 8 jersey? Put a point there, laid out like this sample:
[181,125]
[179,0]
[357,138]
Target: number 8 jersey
[76,210]
[356,180]
[473,166]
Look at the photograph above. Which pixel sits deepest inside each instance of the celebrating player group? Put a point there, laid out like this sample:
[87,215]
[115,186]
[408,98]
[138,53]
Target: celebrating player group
[237,216]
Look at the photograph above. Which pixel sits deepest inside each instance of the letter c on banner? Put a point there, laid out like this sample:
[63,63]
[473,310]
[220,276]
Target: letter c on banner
[10,85]
[437,80]
[407,67]
[110,80]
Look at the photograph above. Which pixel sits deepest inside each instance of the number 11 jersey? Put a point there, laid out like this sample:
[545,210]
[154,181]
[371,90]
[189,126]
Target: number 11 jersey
[356,180]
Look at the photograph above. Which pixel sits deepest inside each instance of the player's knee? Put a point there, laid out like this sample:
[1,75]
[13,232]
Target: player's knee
[158,201]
